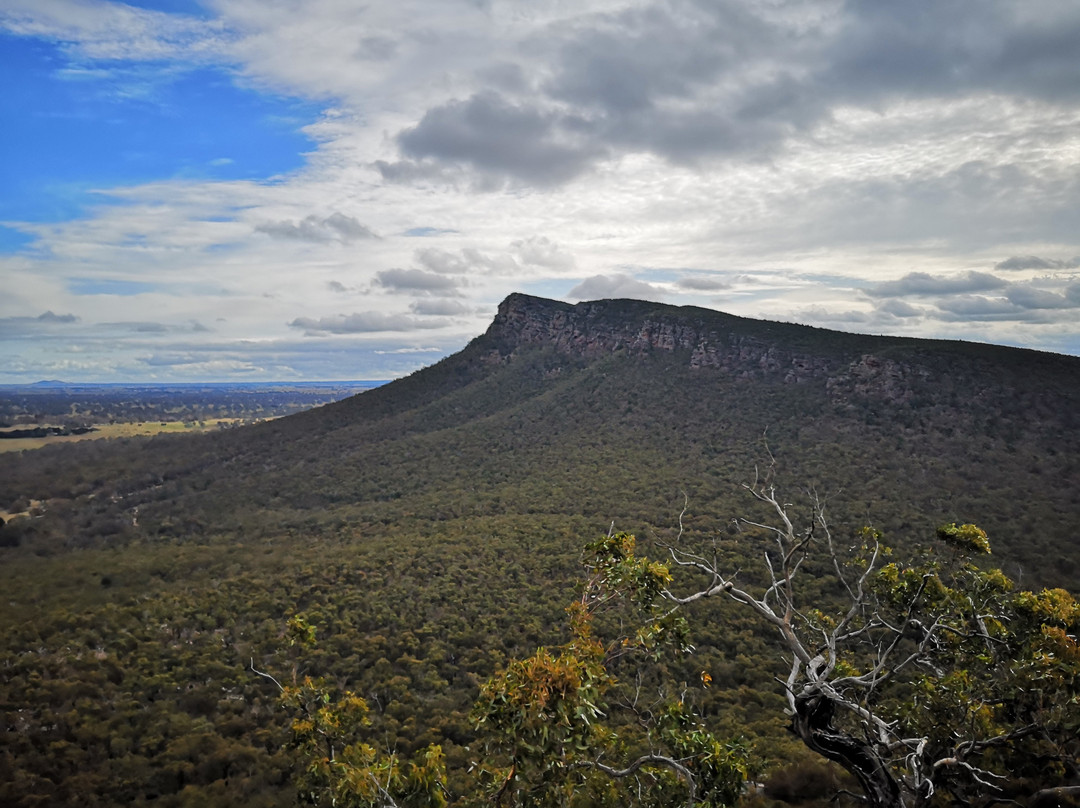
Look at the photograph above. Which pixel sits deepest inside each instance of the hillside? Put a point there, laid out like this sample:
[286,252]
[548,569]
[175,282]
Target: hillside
[430,528]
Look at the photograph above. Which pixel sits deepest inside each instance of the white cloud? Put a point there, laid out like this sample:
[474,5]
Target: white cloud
[363,323]
[614,286]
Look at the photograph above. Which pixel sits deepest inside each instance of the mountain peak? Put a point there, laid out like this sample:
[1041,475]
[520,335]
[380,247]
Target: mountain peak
[702,337]
[594,327]
[894,368]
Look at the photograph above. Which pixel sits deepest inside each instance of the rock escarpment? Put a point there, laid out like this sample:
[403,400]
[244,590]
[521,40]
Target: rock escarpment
[704,339]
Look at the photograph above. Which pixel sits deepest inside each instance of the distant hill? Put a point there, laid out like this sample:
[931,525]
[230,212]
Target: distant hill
[431,527]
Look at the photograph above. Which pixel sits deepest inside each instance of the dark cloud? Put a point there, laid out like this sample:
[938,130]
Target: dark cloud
[417,280]
[1035,262]
[613,286]
[703,283]
[49,317]
[898,308]
[14,326]
[503,140]
[337,286]
[689,80]
[335,227]
[925,48]
[415,172]
[1031,297]
[364,323]
[922,283]
[440,307]
[376,48]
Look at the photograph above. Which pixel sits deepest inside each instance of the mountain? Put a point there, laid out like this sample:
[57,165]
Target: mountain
[430,528]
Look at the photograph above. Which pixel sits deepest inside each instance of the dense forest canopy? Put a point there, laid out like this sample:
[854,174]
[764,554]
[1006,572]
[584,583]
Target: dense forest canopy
[431,529]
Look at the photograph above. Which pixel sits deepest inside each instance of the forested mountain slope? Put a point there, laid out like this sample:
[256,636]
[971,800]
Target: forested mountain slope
[430,528]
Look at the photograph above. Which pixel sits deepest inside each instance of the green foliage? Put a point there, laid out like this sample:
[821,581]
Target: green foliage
[721,767]
[549,719]
[343,770]
[538,718]
[967,537]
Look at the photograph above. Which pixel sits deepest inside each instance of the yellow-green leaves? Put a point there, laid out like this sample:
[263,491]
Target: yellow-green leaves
[967,537]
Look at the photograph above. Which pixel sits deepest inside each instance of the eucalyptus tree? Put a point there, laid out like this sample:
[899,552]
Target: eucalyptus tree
[929,680]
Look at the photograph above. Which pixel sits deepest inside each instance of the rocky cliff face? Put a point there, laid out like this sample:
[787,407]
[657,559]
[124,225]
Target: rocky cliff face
[704,339]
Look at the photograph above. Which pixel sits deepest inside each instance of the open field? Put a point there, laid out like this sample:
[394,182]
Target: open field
[127,430]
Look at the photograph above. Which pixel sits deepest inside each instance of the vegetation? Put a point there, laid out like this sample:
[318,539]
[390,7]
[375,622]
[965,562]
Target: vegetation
[931,681]
[430,532]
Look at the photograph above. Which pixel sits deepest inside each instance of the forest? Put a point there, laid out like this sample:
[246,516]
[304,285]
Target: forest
[413,543]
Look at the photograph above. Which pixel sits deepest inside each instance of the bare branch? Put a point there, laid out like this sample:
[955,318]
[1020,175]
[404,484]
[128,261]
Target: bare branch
[644,760]
[251,665]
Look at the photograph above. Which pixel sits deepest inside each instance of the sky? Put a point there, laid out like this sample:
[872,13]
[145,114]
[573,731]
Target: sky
[246,190]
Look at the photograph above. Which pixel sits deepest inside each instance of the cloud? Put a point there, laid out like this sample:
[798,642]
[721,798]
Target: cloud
[702,283]
[979,307]
[922,283]
[417,280]
[440,307]
[42,324]
[925,48]
[151,327]
[821,314]
[108,286]
[898,308]
[1030,297]
[1035,262]
[49,317]
[335,227]
[364,323]
[115,31]
[443,262]
[690,82]
[427,232]
[501,140]
[467,261]
[613,286]
[541,251]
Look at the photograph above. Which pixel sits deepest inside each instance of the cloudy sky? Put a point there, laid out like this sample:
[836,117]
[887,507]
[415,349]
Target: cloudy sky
[325,189]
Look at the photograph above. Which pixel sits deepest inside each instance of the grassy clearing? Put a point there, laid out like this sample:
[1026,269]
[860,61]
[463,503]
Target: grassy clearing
[126,430]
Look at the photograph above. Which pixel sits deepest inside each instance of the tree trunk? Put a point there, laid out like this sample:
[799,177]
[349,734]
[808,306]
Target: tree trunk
[812,722]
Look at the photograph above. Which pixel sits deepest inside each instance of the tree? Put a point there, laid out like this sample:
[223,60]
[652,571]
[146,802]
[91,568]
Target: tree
[557,729]
[551,723]
[929,681]
[340,768]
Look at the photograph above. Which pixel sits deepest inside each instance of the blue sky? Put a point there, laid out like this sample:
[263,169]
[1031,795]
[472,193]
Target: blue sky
[228,190]
[84,125]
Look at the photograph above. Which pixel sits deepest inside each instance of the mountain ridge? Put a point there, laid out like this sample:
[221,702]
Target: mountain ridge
[750,348]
